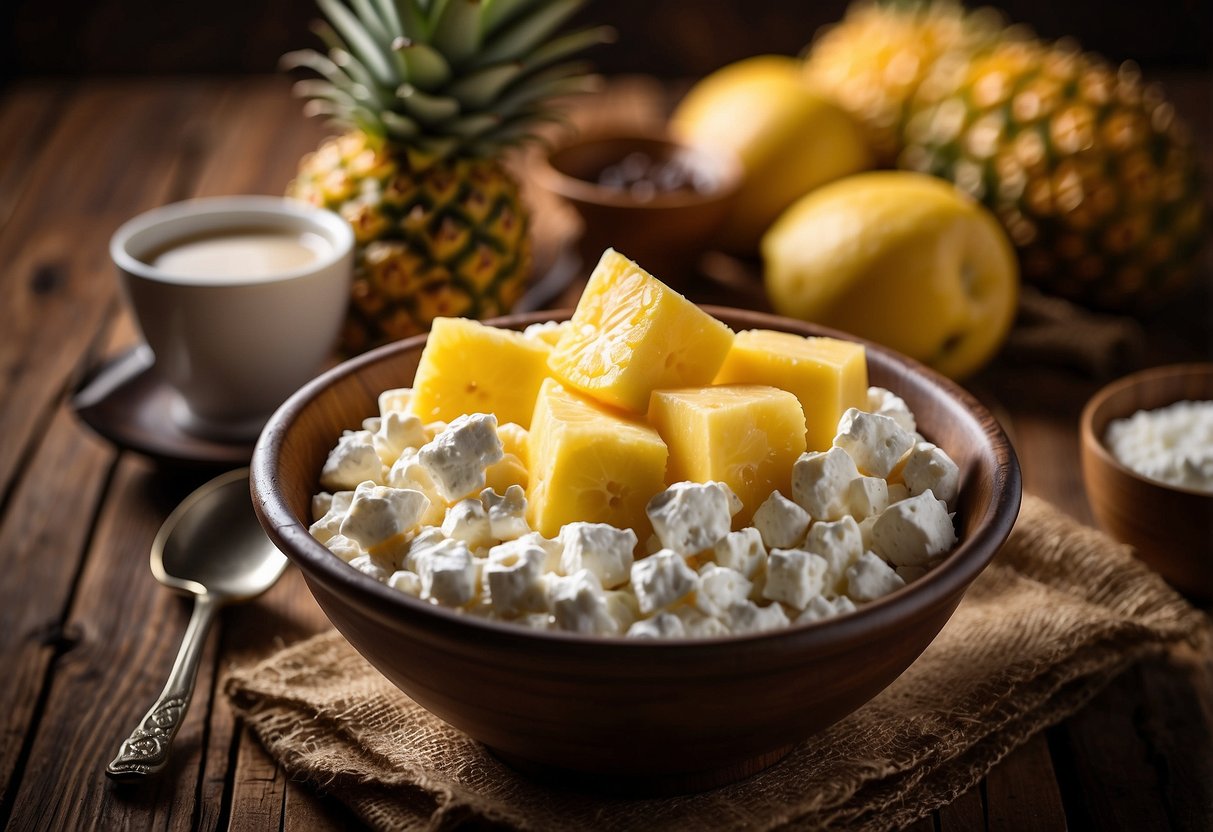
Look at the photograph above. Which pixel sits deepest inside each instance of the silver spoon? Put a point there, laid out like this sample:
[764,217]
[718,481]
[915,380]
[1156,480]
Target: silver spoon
[211,546]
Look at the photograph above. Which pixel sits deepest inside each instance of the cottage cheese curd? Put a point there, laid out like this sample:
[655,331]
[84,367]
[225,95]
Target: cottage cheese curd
[1173,444]
[414,506]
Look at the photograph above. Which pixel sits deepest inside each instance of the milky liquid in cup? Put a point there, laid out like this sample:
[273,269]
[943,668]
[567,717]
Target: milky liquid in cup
[247,253]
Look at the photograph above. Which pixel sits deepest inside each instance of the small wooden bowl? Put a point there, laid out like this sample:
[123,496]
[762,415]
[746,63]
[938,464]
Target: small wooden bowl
[668,231]
[1171,527]
[639,716]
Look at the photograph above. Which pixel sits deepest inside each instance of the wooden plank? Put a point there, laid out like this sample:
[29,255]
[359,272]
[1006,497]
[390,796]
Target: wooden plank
[130,629]
[1176,723]
[284,615]
[58,284]
[1022,793]
[260,792]
[1114,775]
[964,814]
[28,113]
[41,560]
[257,140]
[308,811]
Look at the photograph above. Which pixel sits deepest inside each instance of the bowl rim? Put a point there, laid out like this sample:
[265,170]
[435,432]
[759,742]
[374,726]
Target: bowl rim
[573,188]
[949,578]
[1097,445]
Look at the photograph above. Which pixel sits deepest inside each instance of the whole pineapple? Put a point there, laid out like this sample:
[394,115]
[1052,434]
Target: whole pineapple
[430,93]
[873,60]
[1089,170]
[1091,173]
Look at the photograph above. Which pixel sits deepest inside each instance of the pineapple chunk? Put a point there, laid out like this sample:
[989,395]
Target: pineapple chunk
[826,374]
[747,437]
[468,367]
[587,463]
[631,334]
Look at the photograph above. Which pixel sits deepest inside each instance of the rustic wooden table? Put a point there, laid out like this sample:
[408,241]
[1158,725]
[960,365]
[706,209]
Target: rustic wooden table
[87,636]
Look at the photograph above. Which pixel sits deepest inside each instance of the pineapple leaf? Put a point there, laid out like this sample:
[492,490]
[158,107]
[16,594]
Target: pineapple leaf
[456,32]
[372,22]
[480,88]
[399,127]
[422,65]
[391,18]
[327,34]
[360,43]
[470,127]
[315,89]
[562,47]
[563,79]
[321,65]
[362,85]
[412,19]
[427,109]
[524,36]
[497,13]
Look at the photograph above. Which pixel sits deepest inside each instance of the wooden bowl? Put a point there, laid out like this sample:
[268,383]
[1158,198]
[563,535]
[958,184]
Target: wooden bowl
[624,714]
[1171,527]
[666,232]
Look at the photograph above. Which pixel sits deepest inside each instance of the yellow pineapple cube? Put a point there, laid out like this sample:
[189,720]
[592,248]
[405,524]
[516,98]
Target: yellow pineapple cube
[589,463]
[827,375]
[631,334]
[746,436]
[468,367]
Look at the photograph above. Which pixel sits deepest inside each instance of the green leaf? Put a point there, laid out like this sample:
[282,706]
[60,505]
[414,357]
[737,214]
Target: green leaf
[363,85]
[398,126]
[316,90]
[497,13]
[372,22]
[338,77]
[469,127]
[422,65]
[456,32]
[391,18]
[545,85]
[523,37]
[479,89]
[563,46]
[327,34]
[412,19]
[361,44]
[427,109]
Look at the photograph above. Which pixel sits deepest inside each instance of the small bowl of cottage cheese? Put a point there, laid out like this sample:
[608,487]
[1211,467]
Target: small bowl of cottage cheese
[1147,458]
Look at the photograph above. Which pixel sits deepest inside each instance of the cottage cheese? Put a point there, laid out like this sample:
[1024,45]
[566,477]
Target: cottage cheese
[1172,445]
[420,508]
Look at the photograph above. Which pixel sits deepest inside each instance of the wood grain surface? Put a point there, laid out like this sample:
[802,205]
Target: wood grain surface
[87,636]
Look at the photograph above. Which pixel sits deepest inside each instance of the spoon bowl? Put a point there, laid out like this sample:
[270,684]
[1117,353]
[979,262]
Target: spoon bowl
[211,546]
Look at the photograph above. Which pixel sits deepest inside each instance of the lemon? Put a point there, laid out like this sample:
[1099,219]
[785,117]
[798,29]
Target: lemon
[901,258]
[789,139]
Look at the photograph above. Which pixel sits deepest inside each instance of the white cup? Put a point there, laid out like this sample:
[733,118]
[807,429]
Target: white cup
[235,346]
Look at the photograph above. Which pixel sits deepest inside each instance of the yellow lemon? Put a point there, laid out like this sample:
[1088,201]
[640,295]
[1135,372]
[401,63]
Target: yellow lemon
[789,139]
[904,259]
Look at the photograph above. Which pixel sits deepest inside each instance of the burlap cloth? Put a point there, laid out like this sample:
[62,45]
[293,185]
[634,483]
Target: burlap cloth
[1060,611]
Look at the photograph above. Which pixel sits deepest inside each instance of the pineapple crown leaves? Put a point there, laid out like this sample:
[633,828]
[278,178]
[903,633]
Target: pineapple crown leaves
[445,77]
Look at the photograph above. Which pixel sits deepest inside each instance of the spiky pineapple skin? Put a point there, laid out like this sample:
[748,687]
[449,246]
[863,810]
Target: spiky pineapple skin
[449,239]
[1089,170]
[873,60]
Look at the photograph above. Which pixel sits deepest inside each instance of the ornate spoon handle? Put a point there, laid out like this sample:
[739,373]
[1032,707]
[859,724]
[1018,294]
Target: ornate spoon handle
[146,750]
